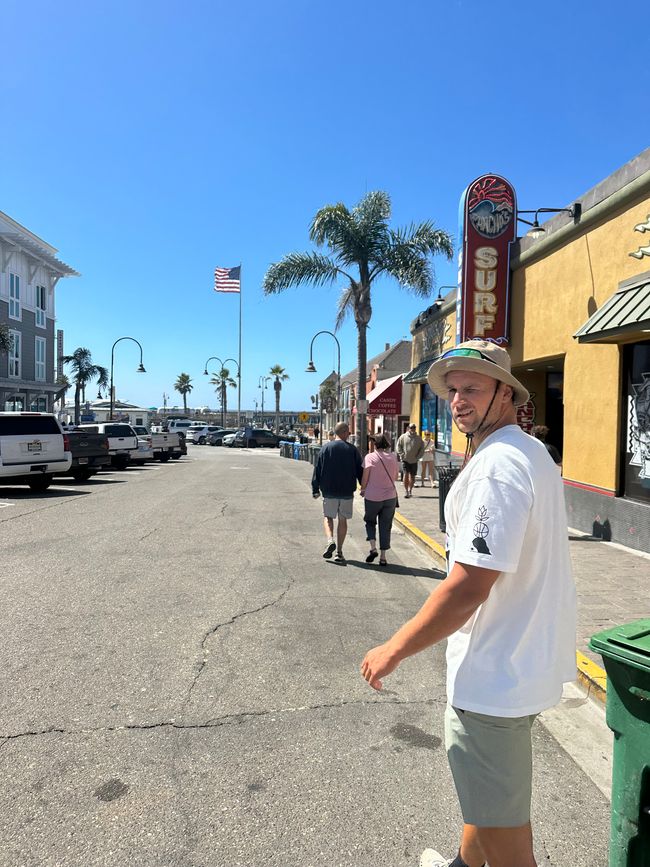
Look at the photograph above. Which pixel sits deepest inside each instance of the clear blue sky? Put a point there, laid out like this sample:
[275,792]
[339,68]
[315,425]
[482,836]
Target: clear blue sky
[150,141]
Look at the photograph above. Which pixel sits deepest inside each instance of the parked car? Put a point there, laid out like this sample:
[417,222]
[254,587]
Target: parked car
[229,439]
[183,446]
[199,434]
[122,441]
[89,454]
[33,447]
[163,445]
[258,437]
[145,450]
[178,424]
[216,438]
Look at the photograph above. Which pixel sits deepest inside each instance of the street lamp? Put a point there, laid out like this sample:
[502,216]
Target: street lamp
[140,369]
[261,384]
[311,368]
[223,364]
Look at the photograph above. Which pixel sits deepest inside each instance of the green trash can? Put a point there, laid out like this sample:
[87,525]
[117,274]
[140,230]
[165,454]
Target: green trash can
[626,654]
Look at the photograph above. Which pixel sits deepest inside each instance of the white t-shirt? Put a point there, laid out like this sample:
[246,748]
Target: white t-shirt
[506,511]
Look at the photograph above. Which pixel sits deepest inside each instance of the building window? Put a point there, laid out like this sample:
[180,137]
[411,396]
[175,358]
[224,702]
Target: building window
[15,403]
[14,296]
[39,358]
[436,418]
[38,404]
[636,455]
[41,306]
[14,355]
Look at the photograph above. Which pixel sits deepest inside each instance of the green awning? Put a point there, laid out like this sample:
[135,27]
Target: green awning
[419,373]
[622,315]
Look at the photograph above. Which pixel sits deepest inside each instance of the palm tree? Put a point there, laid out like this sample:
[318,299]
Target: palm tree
[183,385]
[83,372]
[280,376]
[222,380]
[5,340]
[361,240]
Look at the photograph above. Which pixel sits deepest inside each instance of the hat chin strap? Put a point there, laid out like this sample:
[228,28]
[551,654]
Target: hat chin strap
[469,447]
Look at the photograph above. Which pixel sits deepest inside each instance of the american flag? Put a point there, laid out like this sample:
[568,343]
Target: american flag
[227,279]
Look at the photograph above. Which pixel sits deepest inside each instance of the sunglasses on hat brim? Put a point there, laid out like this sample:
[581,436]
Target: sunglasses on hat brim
[466,353]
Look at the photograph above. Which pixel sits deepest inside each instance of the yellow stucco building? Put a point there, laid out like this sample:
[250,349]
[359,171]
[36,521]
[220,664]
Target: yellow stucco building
[580,341]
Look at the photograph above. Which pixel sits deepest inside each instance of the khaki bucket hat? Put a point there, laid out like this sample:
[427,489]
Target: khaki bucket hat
[476,356]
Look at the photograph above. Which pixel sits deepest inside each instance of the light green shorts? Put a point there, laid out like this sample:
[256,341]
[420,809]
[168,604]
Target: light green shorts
[491,762]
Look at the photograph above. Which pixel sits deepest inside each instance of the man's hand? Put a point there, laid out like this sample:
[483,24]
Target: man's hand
[315,494]
[377,663]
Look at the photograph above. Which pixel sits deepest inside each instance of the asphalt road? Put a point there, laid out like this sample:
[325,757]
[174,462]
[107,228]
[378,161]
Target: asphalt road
[180,672]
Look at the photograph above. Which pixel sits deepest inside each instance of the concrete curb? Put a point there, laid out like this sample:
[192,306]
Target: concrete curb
[592,677]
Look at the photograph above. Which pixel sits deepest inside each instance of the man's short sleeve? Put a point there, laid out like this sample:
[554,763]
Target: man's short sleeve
[492,525]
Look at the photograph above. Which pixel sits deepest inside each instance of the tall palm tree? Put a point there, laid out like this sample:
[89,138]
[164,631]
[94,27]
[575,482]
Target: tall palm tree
[222,380]
[84,371]
[280,376]
[361,241]
[5,340]
[183,385]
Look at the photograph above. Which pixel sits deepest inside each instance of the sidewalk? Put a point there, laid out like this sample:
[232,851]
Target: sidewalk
[612,581]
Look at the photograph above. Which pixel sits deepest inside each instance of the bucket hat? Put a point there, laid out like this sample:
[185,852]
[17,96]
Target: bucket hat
[476,356]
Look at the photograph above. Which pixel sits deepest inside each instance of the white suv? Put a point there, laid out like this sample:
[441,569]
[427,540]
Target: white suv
[199,434]
[33,448]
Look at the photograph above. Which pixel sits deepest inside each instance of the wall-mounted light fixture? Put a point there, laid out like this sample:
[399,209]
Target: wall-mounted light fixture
[537,231]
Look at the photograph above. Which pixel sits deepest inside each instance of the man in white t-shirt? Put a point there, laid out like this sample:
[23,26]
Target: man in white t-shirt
[507,607]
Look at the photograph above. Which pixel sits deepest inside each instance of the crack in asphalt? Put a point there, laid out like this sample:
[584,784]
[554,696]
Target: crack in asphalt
[217,722]
[150,533]
[216,628]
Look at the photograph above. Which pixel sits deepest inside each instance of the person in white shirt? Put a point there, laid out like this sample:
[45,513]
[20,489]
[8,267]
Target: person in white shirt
[507,607]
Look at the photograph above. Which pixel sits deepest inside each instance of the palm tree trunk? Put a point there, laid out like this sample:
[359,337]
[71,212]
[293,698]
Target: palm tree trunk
[185,402]
[277,385]
[77,402]
[362,441]
[223,404]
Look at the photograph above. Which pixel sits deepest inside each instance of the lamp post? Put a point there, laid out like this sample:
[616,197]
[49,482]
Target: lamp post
[536,231]
[311,368]
[140,369]
[222,365]
[261,384]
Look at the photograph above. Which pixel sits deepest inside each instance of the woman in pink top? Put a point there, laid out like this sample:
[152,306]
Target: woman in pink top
[380,470]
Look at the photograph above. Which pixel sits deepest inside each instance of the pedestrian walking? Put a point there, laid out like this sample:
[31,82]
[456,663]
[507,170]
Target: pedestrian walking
[410,447]
[337,471]
[428,459]
[507,608]
[380,470]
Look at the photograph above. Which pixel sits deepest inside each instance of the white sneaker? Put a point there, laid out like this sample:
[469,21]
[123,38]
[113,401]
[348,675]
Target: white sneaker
[431,858]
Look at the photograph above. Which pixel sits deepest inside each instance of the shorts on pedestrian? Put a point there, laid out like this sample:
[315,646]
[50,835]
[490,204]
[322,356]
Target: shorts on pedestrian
[408,467]
[337,508]
[492,765]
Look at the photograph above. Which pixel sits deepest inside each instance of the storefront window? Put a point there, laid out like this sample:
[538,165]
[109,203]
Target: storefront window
[436,418]
[636,467]
[15,403]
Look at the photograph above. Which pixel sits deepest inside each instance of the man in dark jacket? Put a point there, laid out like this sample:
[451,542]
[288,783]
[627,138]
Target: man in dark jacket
[336,474]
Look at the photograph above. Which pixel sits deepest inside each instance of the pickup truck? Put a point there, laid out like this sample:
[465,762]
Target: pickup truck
[89,454]
[33,448]
[122,441]
[164,445]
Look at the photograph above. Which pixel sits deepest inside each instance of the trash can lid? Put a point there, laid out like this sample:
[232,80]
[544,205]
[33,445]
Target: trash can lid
[628,643]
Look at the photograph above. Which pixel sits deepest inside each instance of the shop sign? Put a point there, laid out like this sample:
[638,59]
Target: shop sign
[526,415]
[488,211]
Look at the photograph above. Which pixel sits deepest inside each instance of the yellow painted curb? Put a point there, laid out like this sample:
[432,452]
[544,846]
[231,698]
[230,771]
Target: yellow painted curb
[436,547]
[591,675]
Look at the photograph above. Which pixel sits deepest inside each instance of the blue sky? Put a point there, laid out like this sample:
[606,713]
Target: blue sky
[150,141]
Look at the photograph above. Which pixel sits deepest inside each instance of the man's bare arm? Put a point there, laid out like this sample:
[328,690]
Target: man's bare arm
[448,607]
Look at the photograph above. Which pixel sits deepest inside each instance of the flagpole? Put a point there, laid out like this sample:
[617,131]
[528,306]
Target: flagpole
[239,367]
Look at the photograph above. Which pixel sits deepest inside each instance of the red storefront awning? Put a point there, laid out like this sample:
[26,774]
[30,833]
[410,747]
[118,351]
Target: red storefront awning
[386,397]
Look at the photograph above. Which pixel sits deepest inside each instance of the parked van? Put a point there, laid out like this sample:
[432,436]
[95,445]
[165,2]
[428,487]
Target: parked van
[33,447]
[178,424]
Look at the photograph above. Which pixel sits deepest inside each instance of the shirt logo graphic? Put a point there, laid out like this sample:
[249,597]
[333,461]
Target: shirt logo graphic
[481,530]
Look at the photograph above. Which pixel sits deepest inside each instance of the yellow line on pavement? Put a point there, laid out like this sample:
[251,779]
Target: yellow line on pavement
[436,547]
